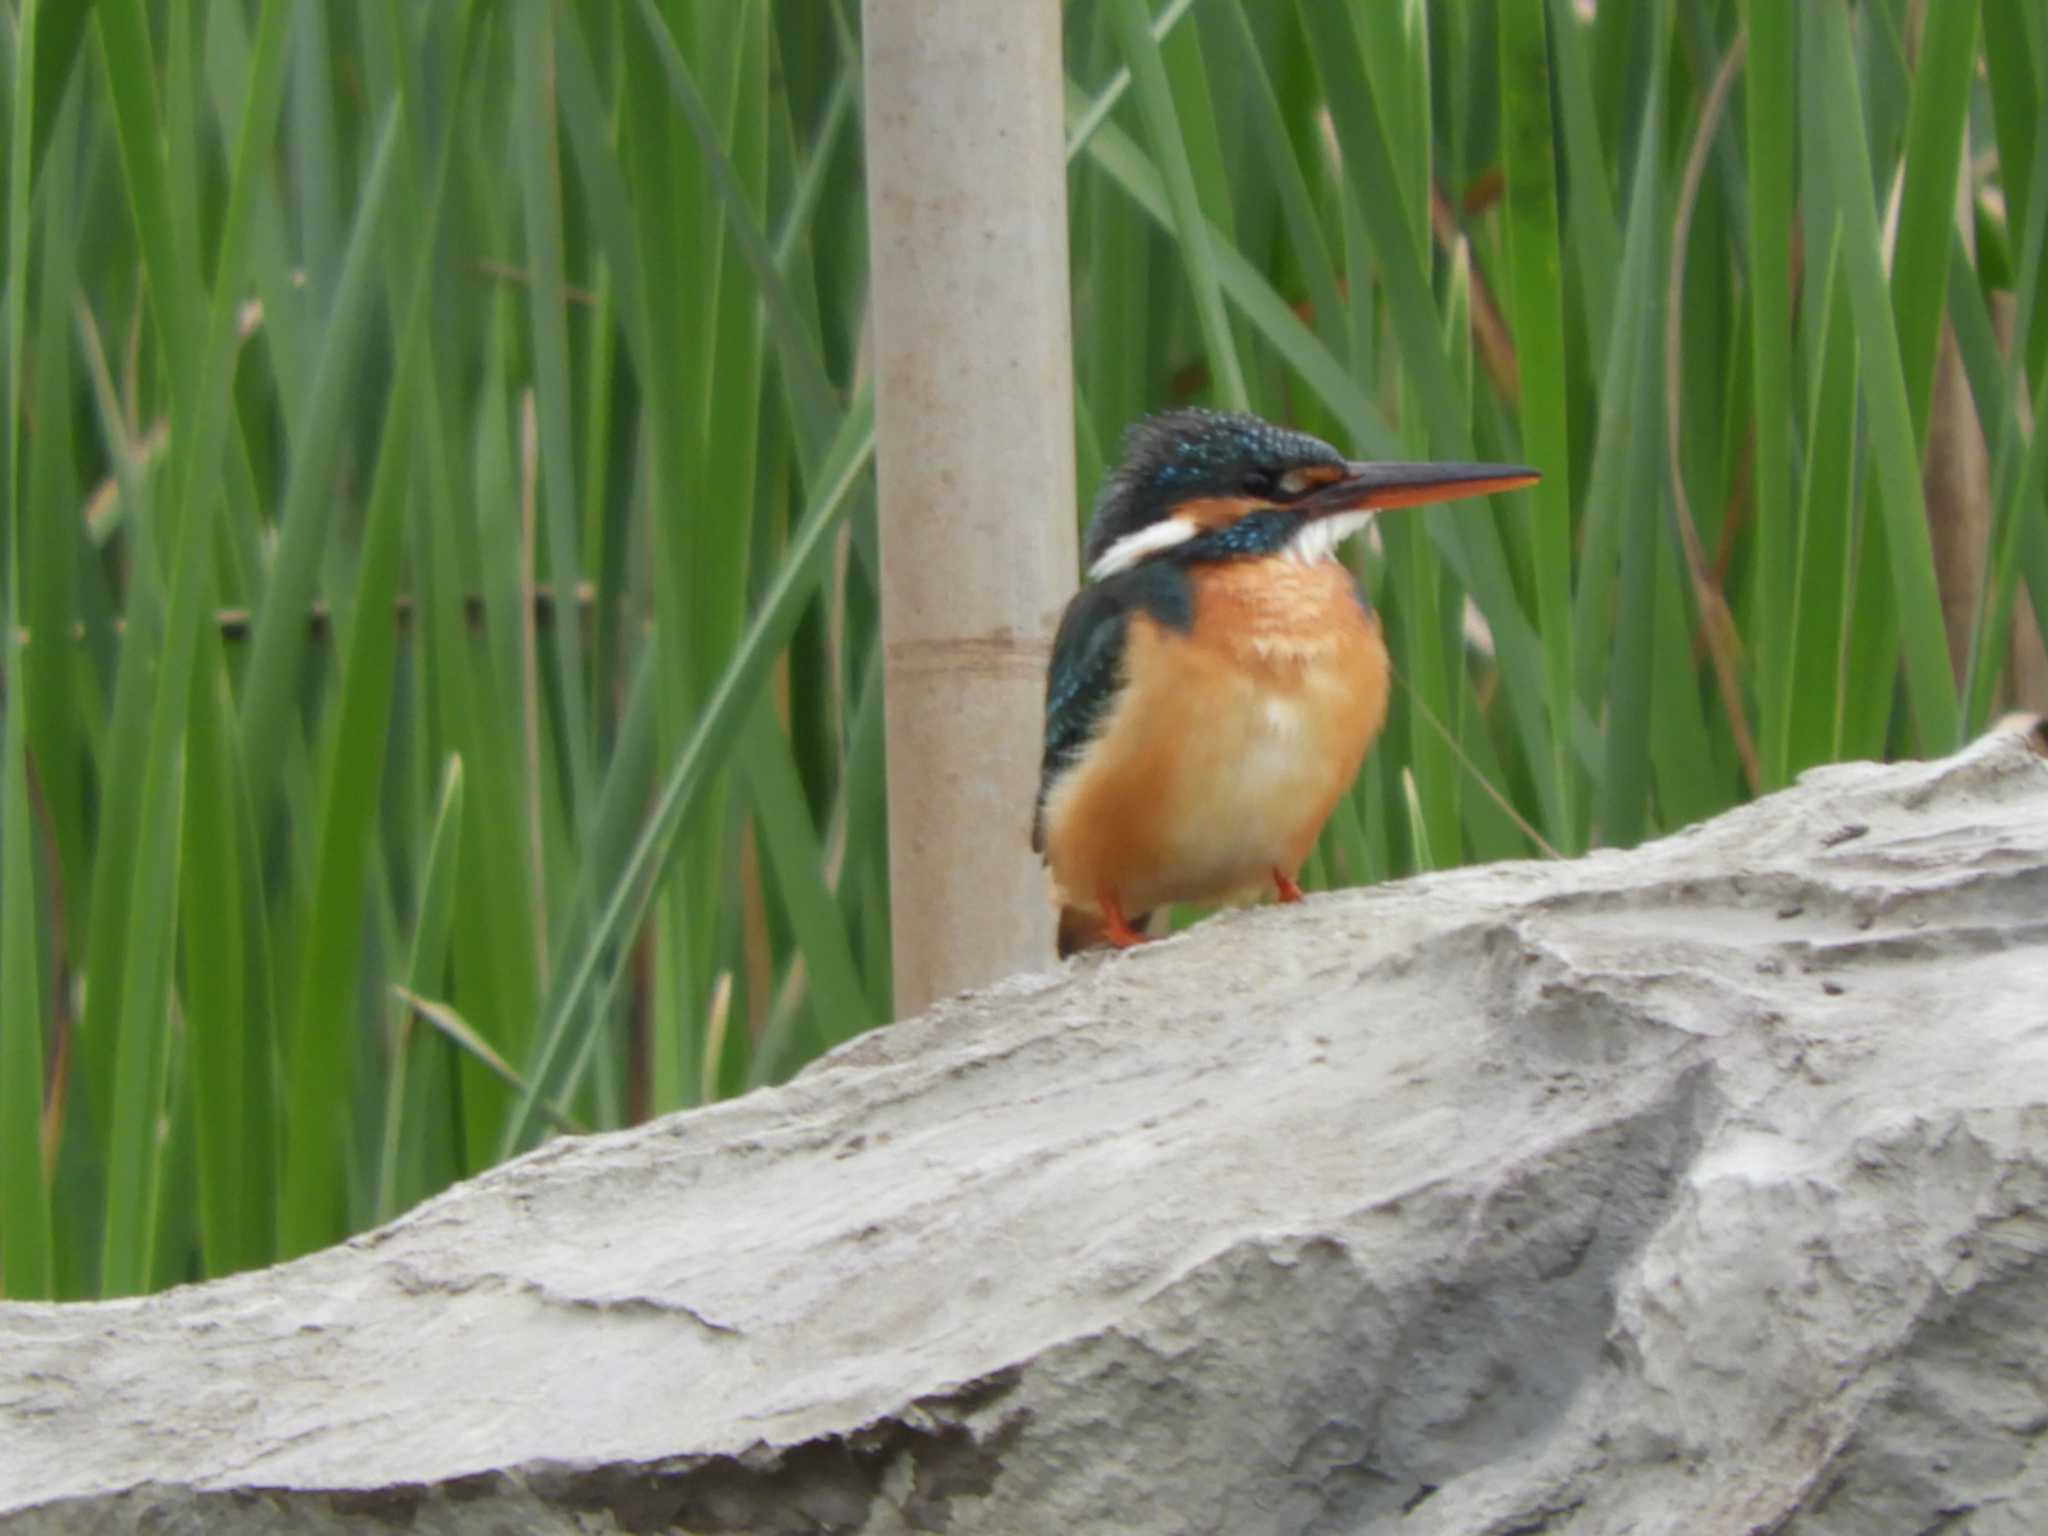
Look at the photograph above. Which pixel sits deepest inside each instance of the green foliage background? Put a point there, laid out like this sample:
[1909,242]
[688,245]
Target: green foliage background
[441,691]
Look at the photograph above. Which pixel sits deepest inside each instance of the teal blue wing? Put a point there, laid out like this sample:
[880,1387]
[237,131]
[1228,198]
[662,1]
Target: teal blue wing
[1081,683]
[1087,670]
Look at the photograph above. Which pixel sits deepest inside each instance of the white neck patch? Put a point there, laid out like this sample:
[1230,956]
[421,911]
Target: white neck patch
[1148,540]
[1319,538]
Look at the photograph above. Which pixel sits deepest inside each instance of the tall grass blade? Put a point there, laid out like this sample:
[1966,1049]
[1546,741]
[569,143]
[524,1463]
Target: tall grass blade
[278,645]
[1910,557]
[1536,271]
[1162,119]
[140,1057]
[541,204]
[27,1264]
[322,1055]
[405,1107]
[1770,101]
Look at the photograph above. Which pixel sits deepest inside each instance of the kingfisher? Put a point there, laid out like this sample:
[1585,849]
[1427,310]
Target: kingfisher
[1216,682]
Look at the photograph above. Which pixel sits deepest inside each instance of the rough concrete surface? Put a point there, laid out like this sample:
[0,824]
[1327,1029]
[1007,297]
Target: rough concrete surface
[1694,1189]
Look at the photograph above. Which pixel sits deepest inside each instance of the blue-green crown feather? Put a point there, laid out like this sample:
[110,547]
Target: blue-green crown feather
[1185,455]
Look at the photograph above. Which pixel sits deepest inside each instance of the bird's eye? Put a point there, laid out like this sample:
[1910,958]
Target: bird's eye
[1257,482]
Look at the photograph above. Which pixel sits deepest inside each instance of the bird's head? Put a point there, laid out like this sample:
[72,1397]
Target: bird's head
[1222,485]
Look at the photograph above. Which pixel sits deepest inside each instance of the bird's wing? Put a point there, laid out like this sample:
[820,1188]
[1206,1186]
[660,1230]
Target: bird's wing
[1081,683]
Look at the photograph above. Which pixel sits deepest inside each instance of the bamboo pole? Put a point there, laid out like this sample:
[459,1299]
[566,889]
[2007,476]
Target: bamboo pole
[975,462]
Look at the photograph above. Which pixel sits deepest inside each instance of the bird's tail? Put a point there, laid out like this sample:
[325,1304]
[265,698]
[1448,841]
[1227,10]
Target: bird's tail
[1086,928]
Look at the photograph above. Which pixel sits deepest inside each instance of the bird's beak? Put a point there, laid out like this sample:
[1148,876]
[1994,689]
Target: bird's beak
[1379,487]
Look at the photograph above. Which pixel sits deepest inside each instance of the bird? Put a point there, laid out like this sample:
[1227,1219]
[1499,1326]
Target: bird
[1215,683]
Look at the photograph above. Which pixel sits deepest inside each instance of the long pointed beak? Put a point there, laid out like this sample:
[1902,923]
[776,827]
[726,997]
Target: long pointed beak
[1378,487]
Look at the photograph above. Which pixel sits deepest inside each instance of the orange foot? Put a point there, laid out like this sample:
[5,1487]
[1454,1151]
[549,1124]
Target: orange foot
[1284,884]
[1115,928]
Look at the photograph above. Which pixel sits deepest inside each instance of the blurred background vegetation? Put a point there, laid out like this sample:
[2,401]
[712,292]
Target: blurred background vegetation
[441,690]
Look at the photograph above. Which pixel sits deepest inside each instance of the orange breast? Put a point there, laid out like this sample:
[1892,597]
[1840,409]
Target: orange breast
[1229,744]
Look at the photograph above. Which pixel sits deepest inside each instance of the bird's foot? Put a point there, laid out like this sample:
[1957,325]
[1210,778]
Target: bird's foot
[1115,927]
[1284,884]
